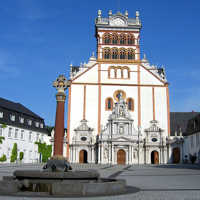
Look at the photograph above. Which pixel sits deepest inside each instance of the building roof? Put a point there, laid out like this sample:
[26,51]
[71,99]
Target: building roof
[10,109]
[179,121]
[193,125]
[4,103]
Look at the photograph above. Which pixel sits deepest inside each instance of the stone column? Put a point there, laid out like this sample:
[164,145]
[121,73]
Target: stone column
[61,85]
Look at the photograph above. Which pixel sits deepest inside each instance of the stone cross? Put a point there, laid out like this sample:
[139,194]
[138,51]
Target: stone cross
[61,83]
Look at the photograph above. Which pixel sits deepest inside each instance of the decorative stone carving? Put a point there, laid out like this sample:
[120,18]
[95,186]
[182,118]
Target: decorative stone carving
[117,22]
[61,83]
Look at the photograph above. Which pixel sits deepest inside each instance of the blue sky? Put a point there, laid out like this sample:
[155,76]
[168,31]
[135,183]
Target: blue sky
[40,38]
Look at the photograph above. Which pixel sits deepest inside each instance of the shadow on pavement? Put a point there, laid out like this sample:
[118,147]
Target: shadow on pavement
[179,166]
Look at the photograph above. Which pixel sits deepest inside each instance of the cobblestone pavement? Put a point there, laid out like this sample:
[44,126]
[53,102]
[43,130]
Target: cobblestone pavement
[161,182]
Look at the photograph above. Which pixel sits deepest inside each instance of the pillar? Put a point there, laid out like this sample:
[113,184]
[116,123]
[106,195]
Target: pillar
[60,84]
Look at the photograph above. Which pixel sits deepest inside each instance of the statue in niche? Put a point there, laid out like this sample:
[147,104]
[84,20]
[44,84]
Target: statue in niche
[105,155]
[121,111]
[134,155]
[121,130]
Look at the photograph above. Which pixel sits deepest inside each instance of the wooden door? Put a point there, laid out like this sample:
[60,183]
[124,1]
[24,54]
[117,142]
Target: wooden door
[121,157]
[156,157]
[176,155]
[82,156]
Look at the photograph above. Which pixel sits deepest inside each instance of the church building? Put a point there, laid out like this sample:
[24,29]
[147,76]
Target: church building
[118,104]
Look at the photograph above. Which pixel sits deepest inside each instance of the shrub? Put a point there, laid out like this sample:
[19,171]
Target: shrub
[21,155]
[14,153]
[193,158]
[1,139]
[45,150]
[3,158]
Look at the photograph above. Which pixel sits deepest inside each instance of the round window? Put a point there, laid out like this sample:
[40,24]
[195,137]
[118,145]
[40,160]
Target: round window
[83,138]
[154,140]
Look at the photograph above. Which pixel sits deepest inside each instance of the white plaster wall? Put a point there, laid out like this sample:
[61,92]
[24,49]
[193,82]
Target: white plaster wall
[92,107]
[192,145]
[77,98]
[25,145]
[146,107]
[161,108]
[148,78]
[91,76]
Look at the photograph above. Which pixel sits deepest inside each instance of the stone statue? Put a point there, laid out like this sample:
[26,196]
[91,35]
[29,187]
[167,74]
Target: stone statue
[105,153]
[57,164]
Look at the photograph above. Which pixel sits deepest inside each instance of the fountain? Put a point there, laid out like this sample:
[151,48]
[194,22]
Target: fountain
[57,177]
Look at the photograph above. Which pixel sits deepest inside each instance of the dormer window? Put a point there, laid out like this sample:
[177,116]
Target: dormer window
[1,114]
[12,117]
[21,120]
[29,122]
[41,125]
[37,124]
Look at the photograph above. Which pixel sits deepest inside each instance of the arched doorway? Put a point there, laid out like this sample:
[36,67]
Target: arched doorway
[83,156]
[154,157]
[121,157]
[176,155]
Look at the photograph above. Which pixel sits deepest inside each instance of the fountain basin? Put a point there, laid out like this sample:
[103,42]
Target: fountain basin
[66,184]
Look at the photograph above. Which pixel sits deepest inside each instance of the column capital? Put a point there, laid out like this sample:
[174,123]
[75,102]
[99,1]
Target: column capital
[60,96]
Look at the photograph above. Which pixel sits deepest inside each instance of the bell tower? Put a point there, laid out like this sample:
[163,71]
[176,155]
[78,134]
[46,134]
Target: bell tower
[118,37]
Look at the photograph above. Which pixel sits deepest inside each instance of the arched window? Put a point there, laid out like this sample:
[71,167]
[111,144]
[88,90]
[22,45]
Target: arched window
[107,38]
[122,54]
[114,39]
[109,103]
[131,39]
[112,73]
[131,55]
[114,53]
[130,104]
[122,39]
[106,53]
[119,73]
[126,72]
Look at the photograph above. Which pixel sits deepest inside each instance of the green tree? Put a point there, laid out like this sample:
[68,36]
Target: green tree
[49,129]
[3,158]
[1,139]
[45,150]
[21,155]
[14,153]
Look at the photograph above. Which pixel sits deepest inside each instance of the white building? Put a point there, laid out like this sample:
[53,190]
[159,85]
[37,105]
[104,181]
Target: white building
[21,126]
[118,104]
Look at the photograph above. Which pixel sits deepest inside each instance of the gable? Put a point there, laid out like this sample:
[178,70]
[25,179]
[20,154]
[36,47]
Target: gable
[147,77]
[89,75]
[121,139]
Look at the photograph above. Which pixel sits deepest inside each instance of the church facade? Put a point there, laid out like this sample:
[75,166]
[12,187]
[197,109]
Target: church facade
[118,104]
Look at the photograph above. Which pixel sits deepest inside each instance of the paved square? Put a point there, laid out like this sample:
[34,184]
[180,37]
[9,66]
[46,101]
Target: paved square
[159,182]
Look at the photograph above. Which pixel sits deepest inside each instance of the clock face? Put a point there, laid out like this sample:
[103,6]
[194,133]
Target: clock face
[117,22]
